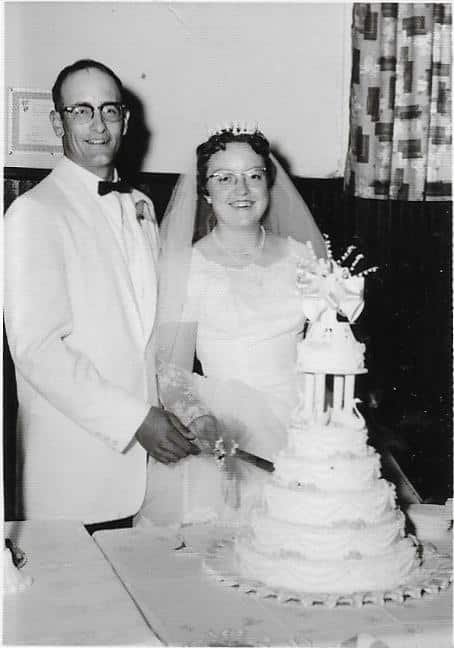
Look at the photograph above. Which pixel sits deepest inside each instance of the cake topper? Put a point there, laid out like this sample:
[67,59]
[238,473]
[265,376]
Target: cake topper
[332,285]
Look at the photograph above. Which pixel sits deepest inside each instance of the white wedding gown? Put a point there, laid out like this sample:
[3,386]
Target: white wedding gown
[248,322]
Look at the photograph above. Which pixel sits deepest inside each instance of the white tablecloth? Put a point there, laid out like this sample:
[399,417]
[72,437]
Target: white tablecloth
[185,606]
[75,598]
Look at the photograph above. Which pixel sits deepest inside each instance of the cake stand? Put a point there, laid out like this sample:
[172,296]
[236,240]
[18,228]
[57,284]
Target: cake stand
[432,576]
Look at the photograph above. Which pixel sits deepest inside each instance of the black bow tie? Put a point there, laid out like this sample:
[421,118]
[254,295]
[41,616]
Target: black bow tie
[105,187]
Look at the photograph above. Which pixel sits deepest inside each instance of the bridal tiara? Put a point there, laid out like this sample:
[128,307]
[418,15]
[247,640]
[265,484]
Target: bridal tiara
[235,127]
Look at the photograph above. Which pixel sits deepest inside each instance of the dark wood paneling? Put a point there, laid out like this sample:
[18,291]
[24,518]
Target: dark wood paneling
[158,186]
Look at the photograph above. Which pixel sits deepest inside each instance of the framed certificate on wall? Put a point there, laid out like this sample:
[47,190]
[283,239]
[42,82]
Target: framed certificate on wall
[29,128]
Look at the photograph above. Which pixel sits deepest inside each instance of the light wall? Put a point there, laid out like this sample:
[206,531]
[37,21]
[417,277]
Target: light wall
[193,65]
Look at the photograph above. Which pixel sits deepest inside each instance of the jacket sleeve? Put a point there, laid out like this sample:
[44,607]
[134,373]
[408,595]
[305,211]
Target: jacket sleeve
[38,322]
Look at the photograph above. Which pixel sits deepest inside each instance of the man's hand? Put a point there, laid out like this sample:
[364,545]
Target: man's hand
[164,436]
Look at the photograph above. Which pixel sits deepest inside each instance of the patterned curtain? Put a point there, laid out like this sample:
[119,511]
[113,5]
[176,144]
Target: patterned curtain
[400,102]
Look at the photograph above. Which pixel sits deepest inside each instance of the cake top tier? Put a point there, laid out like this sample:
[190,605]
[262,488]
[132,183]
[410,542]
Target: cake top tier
[332,285]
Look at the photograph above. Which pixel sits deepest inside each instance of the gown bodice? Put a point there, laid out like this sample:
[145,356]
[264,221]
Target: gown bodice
[247,318]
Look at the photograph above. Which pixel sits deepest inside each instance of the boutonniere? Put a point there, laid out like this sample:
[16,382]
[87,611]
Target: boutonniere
[142,211]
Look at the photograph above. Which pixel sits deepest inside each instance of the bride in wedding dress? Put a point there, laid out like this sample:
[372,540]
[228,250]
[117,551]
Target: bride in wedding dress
[232,237]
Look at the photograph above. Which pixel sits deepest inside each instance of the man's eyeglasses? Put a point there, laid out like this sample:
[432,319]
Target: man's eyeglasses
[83,113]
[253,177]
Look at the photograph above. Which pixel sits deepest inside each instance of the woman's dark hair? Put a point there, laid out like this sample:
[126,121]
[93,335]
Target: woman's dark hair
[82,64]
[218,142]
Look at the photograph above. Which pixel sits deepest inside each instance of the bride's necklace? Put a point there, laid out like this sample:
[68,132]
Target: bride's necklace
[242,255]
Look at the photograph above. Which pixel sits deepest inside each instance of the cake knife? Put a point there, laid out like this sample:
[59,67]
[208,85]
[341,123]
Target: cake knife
[220,452]
[264,464]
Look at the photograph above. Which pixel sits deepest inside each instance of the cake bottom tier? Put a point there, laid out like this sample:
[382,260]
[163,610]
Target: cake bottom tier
[292,572]
[342,541]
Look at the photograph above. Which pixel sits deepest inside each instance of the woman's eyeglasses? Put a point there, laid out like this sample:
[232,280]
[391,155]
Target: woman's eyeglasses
[83,113]
[253,177]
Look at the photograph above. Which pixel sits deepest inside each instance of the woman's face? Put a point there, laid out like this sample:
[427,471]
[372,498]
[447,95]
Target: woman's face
[237,186]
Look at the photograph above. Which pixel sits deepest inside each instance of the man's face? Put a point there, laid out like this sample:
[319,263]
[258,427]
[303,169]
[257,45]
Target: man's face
[93,145]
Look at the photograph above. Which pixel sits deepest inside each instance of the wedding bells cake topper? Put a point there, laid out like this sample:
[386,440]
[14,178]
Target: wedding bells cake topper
[330,286]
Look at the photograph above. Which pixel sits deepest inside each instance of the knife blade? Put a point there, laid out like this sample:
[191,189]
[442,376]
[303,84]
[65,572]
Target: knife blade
[264,464]
[220,452]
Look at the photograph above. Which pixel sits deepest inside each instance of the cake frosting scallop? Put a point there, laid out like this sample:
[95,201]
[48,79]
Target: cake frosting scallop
[329,522]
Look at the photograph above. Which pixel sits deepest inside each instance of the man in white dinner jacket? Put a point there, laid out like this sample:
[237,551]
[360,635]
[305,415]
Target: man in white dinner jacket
[80,302]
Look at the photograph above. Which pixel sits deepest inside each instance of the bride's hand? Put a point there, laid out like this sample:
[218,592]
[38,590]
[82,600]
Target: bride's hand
[206,430]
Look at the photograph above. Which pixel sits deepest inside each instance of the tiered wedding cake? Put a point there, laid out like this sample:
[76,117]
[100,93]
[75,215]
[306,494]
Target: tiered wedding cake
[329,522]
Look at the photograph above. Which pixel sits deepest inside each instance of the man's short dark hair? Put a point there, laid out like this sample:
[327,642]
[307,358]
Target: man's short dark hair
[82,64]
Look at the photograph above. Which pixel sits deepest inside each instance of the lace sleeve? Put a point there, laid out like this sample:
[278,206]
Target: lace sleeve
[177,384]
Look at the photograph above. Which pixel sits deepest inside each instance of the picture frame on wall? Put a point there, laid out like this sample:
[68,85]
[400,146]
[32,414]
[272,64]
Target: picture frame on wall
[30,132]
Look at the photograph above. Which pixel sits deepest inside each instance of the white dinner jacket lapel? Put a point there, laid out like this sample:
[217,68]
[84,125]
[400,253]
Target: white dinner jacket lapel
[146,216]
[114,264]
